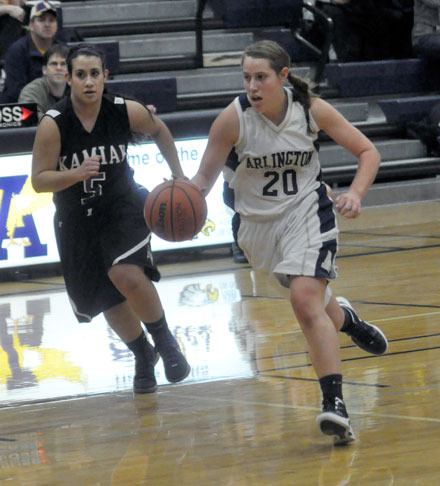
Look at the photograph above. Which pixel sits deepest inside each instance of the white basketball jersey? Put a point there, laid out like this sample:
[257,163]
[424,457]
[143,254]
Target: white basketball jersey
[276,166]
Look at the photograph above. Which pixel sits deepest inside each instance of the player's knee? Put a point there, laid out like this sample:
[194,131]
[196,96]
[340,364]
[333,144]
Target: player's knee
[304,311]
[126,280]
[307,305]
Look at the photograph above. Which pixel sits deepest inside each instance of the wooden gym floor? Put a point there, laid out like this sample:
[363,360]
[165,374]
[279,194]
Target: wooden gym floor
[246,414]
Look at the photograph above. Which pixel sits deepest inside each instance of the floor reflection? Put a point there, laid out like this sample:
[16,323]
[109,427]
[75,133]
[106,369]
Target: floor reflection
[45,353]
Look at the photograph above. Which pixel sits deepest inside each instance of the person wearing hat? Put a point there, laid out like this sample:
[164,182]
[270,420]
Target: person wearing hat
[24,58]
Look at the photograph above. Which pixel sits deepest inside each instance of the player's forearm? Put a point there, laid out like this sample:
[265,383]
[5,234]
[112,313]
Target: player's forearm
[201,182]
[204,181]
[167,147]
[54,181]
[368,167]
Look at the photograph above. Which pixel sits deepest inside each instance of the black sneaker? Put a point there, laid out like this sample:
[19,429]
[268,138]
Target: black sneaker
[368,337]
[334,421]
[175,364]
[144,380]
[237,254]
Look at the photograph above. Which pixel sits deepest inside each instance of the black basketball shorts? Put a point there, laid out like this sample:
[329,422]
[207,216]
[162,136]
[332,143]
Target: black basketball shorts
[89,244]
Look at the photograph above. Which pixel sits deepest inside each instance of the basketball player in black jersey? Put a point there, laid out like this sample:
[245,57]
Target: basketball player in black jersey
[79,154]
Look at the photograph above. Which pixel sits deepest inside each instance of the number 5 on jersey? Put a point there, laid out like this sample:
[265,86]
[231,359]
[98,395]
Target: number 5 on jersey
[92,187]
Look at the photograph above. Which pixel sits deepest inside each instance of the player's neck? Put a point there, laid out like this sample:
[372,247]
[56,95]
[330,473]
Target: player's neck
[278,111]
[87,113]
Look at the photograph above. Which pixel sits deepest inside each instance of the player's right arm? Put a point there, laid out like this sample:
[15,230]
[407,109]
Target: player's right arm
[45,155]
[223,135]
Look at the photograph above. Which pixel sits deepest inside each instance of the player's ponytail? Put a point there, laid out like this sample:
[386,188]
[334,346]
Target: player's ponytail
[302,93]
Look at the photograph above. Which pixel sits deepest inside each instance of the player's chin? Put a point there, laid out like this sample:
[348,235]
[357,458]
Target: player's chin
[89,97]
[256,102]
[257,106]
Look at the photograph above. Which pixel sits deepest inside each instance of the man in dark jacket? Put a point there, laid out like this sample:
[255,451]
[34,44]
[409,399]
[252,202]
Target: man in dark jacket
[366,30]
[12,15]
[24,58]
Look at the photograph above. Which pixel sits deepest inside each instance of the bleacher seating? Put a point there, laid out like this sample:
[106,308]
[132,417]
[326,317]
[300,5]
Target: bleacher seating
[193,29]
[377,77]
[401,159]
[161,92]
[399,111]
[261,14]
[257,13]
[96,18]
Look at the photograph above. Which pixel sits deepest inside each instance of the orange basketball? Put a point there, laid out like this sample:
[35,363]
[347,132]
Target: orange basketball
[175,210]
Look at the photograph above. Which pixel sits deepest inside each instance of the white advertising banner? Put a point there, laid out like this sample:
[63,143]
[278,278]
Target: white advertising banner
[26,218]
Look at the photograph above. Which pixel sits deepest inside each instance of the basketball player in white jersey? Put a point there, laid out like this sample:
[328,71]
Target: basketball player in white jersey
[288,225]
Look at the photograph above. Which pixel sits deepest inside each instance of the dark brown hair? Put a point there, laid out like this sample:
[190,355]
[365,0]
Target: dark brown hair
[60,49]
[84,50]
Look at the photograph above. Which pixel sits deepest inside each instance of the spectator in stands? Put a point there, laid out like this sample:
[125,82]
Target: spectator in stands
[426,36]
[52,86]
[426,30]
[288,227]
[426,24]
[12,16]
[24,59]
[366,30]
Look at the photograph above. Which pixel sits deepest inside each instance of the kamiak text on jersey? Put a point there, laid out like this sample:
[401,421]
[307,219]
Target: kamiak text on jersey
[109,155]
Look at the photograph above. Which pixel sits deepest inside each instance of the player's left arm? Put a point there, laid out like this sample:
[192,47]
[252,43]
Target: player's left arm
[348,136]
[145,122]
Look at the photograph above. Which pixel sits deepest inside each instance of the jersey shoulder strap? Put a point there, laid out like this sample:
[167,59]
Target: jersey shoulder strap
[244,102]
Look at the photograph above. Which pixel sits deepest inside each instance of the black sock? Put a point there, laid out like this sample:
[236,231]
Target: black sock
[331,386]
[348,321]
[138,346]
[158,329]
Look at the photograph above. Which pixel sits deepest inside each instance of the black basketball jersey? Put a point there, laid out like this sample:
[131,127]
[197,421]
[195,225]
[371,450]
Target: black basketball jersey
[108,139]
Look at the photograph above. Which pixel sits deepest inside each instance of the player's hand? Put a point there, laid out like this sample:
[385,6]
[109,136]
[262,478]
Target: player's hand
[178,176]
[200,183]
[348,204]
[330,192]
[89,168]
